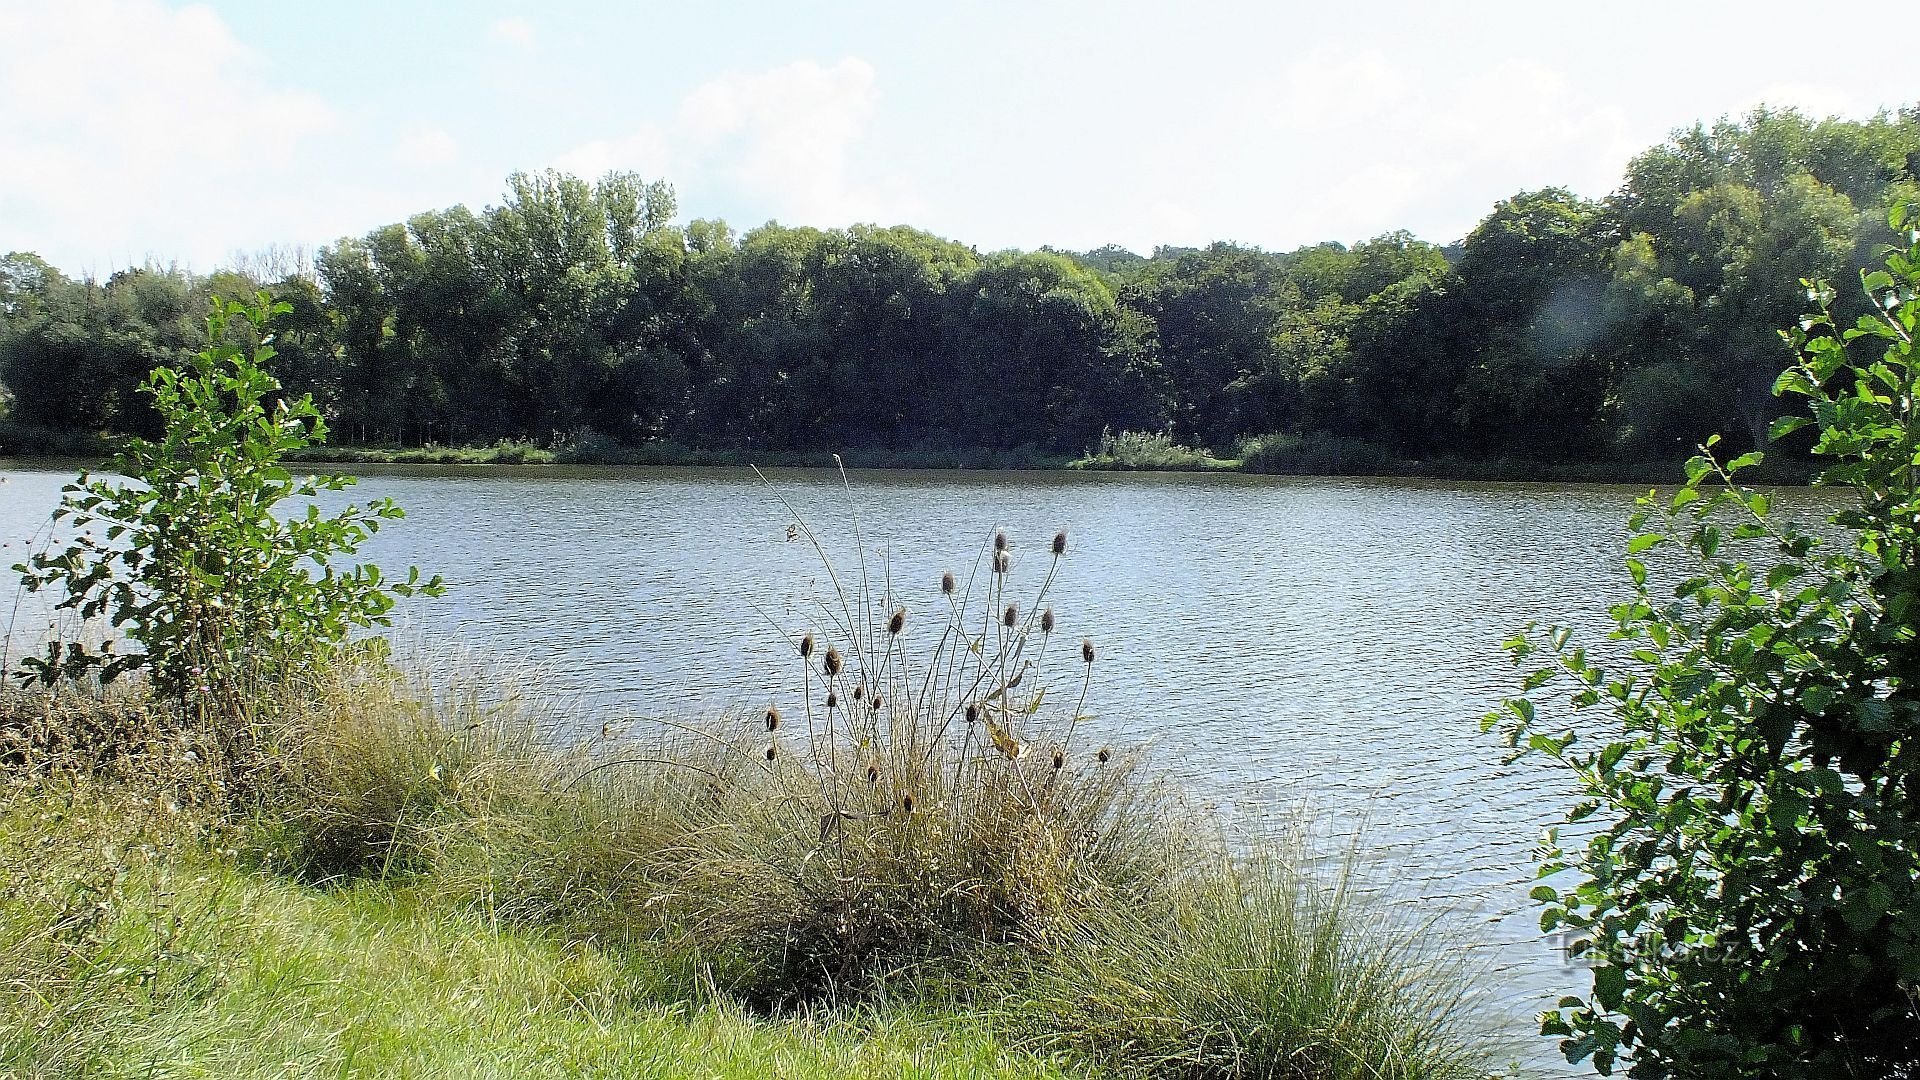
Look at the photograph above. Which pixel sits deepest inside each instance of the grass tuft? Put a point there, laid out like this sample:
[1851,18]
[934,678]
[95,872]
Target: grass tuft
[1251,968]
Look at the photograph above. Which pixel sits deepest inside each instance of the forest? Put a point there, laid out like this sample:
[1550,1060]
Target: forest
[583,317]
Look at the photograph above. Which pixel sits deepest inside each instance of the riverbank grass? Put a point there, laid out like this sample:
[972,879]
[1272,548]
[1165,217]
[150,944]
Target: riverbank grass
[128,947]
[423,885]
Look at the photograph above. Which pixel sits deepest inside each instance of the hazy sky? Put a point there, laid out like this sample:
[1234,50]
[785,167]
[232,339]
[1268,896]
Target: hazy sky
[143,129]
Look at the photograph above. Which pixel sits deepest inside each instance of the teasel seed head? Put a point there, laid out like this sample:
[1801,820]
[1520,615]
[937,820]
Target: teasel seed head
[898,622]
[772,751]
[1086,650]
[1105,755]
[1001,562]
[906,802]
[833,699]
[876,702]
[973,712]
[1059,759]
[806,646]
[773,718]
[1060,542]
[1046,621]
[999,539]
[831,662]
[1010,616]
[859,691]
[947,584]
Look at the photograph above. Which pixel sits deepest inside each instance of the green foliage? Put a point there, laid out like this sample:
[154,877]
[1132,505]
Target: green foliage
[1744,868]
[1146,451]
[579,306]
[1315,455]
[196,559]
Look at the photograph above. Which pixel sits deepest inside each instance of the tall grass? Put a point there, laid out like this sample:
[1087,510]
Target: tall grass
[503,452]
[1253,968]
[927,798]
[87,942]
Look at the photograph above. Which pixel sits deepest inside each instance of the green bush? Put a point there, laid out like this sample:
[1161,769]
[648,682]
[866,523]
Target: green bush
[1744,870]
[1147,451]
[195,559]
[19,439]
[1316,455]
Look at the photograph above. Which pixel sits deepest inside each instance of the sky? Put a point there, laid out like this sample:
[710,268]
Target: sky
[148,131]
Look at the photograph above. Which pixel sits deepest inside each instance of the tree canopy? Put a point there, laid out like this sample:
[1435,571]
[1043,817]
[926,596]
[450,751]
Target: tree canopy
[1560,329]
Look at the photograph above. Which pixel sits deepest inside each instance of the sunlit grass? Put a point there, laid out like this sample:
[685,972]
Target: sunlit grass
[179,963]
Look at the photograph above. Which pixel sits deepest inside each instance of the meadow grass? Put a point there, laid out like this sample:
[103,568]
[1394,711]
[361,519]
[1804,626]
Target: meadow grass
[127,948]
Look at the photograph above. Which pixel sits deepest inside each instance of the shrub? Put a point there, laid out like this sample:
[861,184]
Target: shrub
[1747,877]
[1315,455]
[1147,451]
[195,559]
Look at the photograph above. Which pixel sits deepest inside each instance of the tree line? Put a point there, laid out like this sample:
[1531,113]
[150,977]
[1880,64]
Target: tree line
[1561,329]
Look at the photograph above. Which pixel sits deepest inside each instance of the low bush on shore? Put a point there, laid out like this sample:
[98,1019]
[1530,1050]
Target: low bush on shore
[504,452]
[1147,451]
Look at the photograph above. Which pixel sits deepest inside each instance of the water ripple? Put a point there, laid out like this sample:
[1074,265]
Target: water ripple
[1326,643]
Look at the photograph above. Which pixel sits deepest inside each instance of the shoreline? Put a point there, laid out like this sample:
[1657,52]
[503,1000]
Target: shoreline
[1791,473]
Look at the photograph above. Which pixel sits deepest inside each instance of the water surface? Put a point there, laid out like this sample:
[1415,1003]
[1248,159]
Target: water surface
[1327,643]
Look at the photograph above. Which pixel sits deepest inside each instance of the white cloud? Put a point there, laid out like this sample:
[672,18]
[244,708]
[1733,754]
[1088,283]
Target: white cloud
[1348,144]
[1329,87]
[648,151]
[782,138]
[514,30]
[426,149]
[127,113]
[1815,100]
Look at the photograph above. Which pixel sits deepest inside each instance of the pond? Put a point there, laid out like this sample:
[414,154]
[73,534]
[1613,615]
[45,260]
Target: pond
[1284,644]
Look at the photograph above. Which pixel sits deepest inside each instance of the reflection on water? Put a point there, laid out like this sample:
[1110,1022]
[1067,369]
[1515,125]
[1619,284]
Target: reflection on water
[1329,643]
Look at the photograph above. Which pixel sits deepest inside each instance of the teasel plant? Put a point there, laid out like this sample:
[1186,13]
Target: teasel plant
[930,787]
[970,707]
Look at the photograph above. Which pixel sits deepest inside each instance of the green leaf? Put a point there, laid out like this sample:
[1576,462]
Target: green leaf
[1609,986]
